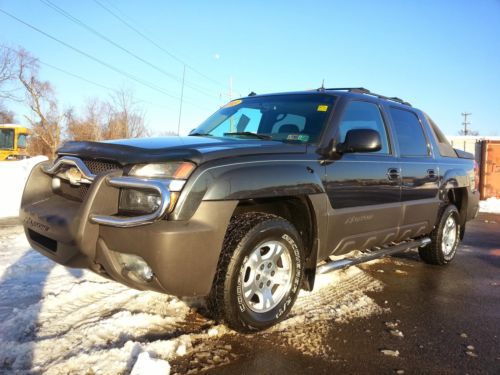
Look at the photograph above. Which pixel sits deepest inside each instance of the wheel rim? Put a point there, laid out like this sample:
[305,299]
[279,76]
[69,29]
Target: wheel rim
[266,276]
[449,235]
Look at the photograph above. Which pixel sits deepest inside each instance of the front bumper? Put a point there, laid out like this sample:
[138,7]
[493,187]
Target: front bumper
[182,254]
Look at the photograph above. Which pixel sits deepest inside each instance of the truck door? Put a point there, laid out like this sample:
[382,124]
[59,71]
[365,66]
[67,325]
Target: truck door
[420,173]
[363,188]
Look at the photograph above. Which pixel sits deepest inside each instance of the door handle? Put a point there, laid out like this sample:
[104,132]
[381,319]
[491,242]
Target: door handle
[393,173]
[431,173]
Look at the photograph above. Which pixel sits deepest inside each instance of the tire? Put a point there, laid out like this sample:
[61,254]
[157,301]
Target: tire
[259,273]
[444,238]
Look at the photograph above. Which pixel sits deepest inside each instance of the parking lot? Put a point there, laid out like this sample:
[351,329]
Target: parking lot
[438,319]
[392,315]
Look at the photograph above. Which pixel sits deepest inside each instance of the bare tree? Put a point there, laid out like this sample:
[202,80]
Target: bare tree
[125,117]
[46,121]
[8,58]
[6,116]
[468,132]
[7,80]
[89,126]
[120,117]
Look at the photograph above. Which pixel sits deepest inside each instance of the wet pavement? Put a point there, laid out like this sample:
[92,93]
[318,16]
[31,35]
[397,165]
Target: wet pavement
[436,320]
[396,315]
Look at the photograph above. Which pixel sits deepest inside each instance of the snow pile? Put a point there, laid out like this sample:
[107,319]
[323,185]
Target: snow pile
[55,320]
[490,205]
[13,176]
[146,365]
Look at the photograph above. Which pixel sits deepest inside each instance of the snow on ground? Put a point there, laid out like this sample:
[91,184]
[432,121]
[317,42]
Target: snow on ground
[13,176]
[55,320]
[490,205]
[145,365]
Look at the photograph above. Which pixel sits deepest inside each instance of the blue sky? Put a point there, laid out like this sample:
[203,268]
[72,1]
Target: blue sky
[442,56]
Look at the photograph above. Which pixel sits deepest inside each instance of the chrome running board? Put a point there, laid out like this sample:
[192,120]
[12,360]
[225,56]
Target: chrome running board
[333,265]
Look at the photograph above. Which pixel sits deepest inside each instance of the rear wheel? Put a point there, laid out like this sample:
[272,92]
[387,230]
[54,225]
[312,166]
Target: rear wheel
[259,273]
[445,238]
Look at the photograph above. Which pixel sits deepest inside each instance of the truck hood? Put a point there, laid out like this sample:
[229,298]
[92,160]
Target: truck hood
[192,148]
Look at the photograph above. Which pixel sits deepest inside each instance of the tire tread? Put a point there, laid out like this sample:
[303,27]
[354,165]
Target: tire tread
[432,254]
[217,302]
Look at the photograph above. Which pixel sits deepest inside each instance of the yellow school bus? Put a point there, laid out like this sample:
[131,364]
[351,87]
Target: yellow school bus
[13,142]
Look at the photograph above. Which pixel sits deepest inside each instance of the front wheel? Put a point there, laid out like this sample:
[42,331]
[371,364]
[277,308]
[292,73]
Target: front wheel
[259,273]
[445,238]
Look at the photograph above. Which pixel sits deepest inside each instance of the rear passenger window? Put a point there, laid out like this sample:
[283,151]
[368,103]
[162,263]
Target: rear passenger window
[409,133]
[363,115]
[445,148]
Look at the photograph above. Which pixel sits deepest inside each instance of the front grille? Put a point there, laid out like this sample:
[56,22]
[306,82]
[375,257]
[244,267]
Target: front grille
[100,166]
[76,193]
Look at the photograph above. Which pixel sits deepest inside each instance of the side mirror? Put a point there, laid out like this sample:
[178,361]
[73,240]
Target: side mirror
[360,140]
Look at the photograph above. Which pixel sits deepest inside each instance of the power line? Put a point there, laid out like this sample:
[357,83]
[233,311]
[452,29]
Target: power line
[98,84]
[182,95]
[145,37]
[90,29]
[81,78]
[65,71]
[76,76]
[104,37]
[89,56]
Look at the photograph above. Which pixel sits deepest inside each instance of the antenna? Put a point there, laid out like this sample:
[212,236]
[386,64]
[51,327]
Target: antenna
[322,88]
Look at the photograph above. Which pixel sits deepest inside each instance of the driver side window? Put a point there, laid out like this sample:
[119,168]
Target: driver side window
[363,115]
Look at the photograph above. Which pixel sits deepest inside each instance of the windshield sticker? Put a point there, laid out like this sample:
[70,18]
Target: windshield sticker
[232,103]
[297,137]
[322,108]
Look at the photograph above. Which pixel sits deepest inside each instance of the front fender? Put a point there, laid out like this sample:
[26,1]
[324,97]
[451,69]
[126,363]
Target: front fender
[263,181]
[247,180]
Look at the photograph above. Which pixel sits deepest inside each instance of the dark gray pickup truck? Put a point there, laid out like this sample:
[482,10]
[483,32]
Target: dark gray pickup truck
[252,204]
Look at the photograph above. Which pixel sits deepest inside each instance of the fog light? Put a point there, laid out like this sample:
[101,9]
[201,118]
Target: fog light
[134,267]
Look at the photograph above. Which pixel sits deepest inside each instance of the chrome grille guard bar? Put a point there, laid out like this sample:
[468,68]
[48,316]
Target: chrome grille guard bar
[161,187]
[86,175]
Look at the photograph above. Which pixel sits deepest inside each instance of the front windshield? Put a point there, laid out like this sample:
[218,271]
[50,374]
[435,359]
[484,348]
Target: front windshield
[288,118]
[6,138]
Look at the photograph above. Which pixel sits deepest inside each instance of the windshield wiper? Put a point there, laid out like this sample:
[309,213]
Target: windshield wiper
[256,135]
[200,134]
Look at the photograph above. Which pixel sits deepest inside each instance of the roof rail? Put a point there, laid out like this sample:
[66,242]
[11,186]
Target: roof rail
[362,90]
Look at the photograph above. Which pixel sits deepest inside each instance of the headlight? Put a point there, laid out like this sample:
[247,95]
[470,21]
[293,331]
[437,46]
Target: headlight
[141,202]
[169,171]
[134,201]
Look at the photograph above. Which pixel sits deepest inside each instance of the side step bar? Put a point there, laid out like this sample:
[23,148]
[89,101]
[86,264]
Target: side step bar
[344,263]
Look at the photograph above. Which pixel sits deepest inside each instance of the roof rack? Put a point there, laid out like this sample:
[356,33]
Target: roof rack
[362,90]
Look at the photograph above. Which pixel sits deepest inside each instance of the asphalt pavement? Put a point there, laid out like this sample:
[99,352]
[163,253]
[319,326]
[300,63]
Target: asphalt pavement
[439,320]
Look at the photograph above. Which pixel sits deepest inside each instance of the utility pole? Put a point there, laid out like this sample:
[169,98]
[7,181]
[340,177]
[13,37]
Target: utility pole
[182,96]
[465,123]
